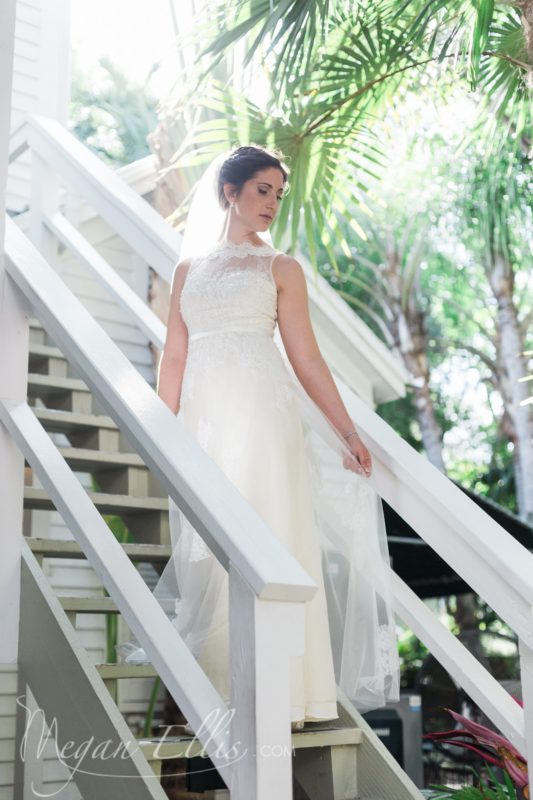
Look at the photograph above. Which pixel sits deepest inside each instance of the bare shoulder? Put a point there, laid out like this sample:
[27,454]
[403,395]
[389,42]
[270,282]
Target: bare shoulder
[287,271]
[180,272]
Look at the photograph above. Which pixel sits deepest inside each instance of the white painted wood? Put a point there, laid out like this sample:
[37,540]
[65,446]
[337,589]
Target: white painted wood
[7,47]
[263,637]
[480,550]
[13,360]
[328,774]
[526,677]
[44,200]
[205,494]
[379,776]
[79,703]
[127,213]
[41,773]
[95,296]
[482,687]
[54,65]
[41,79]
[8,693]
[145,318]
[178,669]
[351,347]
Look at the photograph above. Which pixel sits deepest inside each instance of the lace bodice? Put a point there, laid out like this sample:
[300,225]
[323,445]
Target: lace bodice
[231,289]
[229,304]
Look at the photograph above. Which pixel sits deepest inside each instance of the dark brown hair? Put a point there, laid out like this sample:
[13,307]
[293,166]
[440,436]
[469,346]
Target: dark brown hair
[243,163]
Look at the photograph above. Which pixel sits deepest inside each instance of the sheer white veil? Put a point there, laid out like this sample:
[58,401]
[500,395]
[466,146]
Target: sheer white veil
[206,219]
[349,521]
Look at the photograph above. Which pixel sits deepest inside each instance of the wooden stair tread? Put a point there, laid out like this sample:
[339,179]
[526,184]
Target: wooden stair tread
[106,503]
[96,605]
[82,457]
[68,548]
[66,421]
[52,384]
[185,746]
[89,605]
[44,351]
[121,670]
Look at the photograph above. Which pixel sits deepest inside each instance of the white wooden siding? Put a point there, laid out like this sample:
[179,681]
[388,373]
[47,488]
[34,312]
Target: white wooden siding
[25,94]
[49,777]
[8,691]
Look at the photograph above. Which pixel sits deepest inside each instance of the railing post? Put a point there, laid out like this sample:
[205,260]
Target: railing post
[263,637]
[526,679]
[44,201]
[13,374]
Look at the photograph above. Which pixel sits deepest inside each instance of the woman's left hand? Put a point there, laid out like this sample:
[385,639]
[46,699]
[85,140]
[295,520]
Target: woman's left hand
[360,461]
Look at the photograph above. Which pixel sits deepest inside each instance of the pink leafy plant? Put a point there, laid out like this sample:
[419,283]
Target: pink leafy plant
[488,744]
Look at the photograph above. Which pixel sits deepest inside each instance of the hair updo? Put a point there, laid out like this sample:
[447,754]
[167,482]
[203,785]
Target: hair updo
[242,164]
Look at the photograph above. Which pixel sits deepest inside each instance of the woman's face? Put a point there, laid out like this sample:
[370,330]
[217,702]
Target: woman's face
[258,202]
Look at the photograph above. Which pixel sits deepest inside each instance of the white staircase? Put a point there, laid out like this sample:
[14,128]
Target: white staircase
[74,363]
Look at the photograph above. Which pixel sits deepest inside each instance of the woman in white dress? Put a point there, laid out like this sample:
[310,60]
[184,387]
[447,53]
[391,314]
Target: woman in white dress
[271,417]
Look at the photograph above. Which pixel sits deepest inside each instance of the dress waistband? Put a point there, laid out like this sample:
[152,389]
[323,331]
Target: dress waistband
[200,334]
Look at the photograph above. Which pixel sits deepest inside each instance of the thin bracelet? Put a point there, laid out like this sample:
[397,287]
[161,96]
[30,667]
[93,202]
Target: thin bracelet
[350,434]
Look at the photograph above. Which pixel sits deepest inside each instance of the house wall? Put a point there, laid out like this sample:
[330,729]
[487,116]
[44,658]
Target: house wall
[40,79]
[8,688]
[41,83]
[10,462]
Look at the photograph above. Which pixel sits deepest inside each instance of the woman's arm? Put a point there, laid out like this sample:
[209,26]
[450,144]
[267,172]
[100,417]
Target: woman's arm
[304,354]
[174,356]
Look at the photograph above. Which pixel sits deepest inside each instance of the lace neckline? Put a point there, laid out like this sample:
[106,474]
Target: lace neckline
[239,247]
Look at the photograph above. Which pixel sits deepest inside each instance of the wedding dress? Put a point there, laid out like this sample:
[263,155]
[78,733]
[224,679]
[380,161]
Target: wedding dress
[244,404]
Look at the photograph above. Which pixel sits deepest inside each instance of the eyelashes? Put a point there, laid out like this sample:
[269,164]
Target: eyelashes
[263,191]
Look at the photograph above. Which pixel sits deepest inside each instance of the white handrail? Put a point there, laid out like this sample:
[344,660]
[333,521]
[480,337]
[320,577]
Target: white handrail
[174,662]
[480,550]
[469,540]
[204,493]
[149,235]
[455,527]
[145,318]
[252,621]
[477,681]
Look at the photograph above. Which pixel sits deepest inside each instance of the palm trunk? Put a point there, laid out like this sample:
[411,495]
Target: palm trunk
[409,332]
[513,368]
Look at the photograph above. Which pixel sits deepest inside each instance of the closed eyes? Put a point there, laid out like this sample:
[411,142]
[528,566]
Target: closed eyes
[263,191]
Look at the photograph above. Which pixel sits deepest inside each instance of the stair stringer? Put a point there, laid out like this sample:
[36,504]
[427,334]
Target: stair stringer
[69,690]
[379,776]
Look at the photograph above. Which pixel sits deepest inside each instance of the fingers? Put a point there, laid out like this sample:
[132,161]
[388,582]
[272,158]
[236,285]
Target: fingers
[355,464]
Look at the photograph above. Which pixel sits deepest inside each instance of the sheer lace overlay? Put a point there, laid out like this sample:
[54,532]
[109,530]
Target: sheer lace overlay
[243,402]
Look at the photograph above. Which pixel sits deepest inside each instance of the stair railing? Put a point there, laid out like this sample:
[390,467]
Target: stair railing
[267,586]
[480,551]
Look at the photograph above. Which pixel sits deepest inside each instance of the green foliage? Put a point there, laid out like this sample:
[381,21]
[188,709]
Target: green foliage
[150,711]
[122,534]
[110,114]
[401,415]
[491,790]
[412,654]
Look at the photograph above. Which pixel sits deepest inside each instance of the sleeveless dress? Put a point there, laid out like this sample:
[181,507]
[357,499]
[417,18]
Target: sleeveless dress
[244,405]
[237,398]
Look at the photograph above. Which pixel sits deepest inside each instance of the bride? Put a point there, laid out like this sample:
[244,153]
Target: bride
[242,370]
